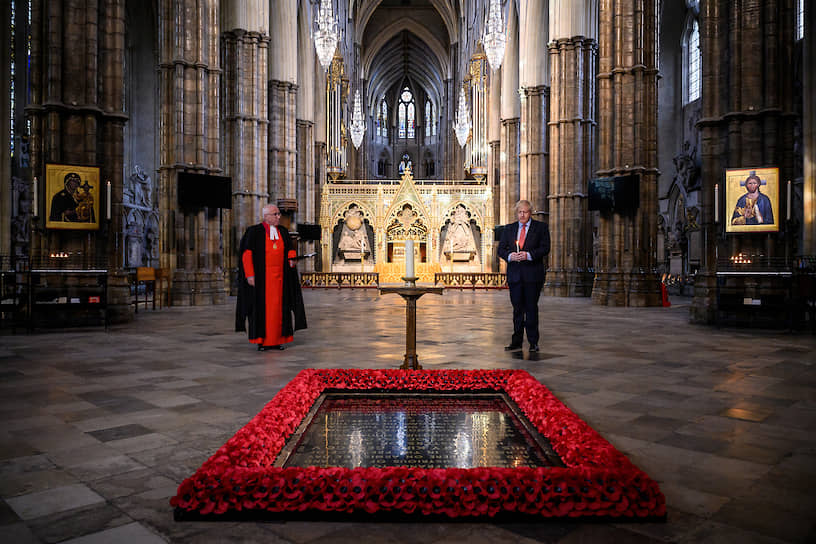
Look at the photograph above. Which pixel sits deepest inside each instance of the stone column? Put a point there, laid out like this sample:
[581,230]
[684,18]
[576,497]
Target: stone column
[245,48]
[77,117]
[322,261]
[750,123]
[509,169]
[809,132]
[533,154]
[305,124]
[5,126]
[283,99]
[627,131]
[189,97]
[508,193]
[572,131]
[534,91]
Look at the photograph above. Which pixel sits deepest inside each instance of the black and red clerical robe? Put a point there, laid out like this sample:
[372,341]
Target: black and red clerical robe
[274,306]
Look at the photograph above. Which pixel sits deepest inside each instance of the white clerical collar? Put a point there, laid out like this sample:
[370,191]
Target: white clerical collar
[273,233]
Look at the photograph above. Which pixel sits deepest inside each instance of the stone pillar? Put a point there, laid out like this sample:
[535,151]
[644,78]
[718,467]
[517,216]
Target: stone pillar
[533,154]
[246,125]
[189,97]
[283,73]
[5,131]
[306,121]
[77,117]
[749,124]
[627,131]
[572,142]
[809,132]
[509,169]
[533,88]
[306,184]
[510,115]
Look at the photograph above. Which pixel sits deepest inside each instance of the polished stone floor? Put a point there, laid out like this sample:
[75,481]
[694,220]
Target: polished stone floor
[99,427]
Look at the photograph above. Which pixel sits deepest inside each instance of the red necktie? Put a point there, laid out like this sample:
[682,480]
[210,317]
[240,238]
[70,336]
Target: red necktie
[521,235]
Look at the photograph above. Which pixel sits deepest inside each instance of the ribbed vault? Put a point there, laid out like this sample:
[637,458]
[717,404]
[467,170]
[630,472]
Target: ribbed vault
[405,40]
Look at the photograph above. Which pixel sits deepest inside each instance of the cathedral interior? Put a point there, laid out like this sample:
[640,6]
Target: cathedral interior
[668,144]
[182,119]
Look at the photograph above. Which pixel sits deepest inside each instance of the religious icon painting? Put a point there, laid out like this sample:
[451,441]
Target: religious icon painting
[752,200]
[72,197]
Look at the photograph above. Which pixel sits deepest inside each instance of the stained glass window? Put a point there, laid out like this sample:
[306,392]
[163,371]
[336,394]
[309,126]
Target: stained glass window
[406,114]
[800,19]
[382,119]
[694,64]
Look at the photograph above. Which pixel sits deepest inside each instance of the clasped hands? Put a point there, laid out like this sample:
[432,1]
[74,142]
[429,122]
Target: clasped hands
[517,256]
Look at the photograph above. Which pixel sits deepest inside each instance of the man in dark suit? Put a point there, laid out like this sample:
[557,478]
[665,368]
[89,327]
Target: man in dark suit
[524,245]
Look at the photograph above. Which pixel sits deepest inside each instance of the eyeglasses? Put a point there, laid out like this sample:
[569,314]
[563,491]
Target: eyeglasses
[271,214]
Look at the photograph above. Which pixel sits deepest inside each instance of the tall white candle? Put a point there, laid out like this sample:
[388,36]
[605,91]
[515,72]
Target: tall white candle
[409,258]
[108,203]
[789,201]
[716,202]
[36,198]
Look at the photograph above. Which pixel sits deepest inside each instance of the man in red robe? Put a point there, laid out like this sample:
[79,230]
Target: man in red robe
[269,295]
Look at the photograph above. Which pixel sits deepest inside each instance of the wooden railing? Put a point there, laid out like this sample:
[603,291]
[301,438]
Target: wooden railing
[340,279]
[471,280]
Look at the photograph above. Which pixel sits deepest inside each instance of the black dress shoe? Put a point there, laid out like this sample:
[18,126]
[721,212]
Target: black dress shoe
[533,347]
[512,347]
[265,348]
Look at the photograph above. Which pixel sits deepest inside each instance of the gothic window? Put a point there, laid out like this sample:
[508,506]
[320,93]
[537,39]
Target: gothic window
[693,60]
[13,73]
[800,19]
[430,124]
[382,119]
[406,114]
[19,46]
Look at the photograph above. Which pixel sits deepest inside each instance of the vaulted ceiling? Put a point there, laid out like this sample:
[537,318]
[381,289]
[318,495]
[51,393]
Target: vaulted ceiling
[405,40]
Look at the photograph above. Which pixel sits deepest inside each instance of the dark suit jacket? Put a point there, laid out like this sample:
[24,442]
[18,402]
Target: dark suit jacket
[536,243]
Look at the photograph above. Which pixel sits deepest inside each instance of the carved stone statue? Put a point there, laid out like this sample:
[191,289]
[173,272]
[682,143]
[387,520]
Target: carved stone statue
[142,187]
[688,173]
[353,237]
[460,236]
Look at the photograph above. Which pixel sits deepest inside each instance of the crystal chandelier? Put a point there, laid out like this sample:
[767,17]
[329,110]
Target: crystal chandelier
[358,125]
[494,38]
[462,124]
[325,34]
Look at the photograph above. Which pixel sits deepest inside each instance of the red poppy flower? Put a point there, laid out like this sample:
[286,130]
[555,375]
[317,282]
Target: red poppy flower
[597,479]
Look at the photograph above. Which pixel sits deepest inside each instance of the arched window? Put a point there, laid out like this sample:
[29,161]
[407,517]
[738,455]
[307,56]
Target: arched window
[427,118]
[430,119]
[800,19]
[18,25]
[382,119]
[406,114]
[693,61]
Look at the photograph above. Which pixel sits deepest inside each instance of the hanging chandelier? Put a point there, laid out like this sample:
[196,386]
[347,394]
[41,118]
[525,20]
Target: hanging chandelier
[494,38]
[325,34]
[462,124]
[358,125]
